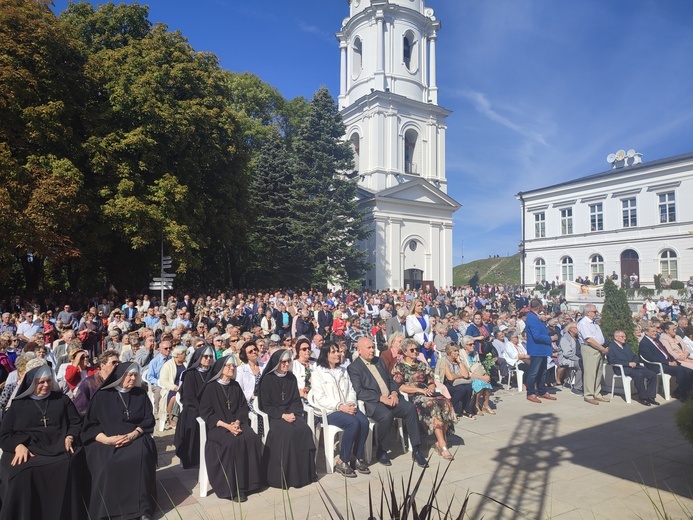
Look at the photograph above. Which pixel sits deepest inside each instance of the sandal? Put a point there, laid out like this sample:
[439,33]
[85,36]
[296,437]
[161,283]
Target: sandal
[445,453]
[469,416]
[488,410]
[479,411]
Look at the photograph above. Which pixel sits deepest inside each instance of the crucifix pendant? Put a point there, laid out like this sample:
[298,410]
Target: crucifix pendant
[45,421]
[228,404]
[127,413]
[282,395]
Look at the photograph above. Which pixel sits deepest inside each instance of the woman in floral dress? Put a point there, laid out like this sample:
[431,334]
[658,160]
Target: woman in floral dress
[416,379]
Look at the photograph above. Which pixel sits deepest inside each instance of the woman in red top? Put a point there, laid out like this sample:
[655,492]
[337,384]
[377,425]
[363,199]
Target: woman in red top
[338,324]
[77,369]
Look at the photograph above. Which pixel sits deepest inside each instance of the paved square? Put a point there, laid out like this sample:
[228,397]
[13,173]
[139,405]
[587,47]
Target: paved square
[564,459]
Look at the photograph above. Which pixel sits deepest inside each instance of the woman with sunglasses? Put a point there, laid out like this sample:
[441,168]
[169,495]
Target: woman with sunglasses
[416,379]
[249,373]
[84,392]
[192,382]
[289,456]
[302,366]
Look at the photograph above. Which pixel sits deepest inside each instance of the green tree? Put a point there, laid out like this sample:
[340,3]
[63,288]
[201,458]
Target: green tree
[327,224]
[273,258]
[616,314]
[166,152]
[42,92]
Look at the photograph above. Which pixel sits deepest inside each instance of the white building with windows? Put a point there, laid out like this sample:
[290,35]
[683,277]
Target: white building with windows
[633,219]
[389,101]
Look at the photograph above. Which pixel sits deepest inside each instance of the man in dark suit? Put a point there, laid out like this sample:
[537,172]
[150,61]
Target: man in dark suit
[652,351]
[325,320]
[645,379]
[397,323]
[187,303]
[380,394]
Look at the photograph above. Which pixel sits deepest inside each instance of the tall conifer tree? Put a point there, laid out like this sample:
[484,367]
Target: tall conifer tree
[327,224]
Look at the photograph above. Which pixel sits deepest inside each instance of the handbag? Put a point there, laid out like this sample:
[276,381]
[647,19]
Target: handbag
[477,368]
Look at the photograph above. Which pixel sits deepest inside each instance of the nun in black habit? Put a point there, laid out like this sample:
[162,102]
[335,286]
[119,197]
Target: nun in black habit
[192,382]
[38,437]
[289,456]
[121,453]
[233,451]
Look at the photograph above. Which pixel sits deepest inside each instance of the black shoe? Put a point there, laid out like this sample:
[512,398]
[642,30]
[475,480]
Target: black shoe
[145,517]
[384,459]
[361,467]
[241,497]
[344,469]
[653,401]
[418,457]
[644,402]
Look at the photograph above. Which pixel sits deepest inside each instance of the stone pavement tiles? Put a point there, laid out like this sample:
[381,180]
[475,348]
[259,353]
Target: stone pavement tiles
[563,459]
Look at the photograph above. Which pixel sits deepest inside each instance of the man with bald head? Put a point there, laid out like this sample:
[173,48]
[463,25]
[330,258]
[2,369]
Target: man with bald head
[380,394]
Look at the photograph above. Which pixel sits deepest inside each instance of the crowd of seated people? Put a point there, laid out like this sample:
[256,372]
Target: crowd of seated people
[427,359]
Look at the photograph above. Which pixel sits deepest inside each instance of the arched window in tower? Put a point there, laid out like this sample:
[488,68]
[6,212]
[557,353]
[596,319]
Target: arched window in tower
[356,147]
[410,141]
[357,59]
[410,52]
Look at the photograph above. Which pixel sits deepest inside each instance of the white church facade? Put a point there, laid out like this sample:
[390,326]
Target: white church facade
[635,218]
[388,99]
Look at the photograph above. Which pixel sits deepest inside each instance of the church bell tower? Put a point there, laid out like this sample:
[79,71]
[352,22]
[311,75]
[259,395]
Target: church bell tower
[388,98]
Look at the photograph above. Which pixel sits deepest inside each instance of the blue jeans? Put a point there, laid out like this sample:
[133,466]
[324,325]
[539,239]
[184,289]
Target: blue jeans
[355,433]
[536,376]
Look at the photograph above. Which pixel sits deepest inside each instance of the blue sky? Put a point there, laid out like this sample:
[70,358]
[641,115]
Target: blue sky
[541,90]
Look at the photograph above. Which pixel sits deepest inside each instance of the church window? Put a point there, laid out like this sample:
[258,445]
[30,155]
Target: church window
[630,212]
[540,225]
[597,266]
[668,264]
[357,58]
[413,245]
[596,217]
[539,270]
[410,141]
[356,148]
[410,55]
[667,207]
[567,221]
[567,269]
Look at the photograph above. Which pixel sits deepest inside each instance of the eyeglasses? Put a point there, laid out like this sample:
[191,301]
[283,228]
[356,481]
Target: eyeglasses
[413,350]
[114,362]
[285,361]
[304,349]
[287,341]
[252,351]
[164,348]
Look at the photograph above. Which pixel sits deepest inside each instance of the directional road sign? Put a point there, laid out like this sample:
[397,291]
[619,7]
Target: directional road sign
[168,278]
[155,286]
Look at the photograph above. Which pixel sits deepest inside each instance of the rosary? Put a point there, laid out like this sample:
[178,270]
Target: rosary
[44,420]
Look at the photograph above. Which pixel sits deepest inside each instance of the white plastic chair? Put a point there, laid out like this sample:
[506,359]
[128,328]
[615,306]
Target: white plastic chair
[666,379]
[368,451]
[519,375]
[329,435]
[626,381]
[202,477]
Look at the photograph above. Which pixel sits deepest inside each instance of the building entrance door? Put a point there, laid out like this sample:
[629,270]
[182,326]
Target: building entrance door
[413,278]
[630,263]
